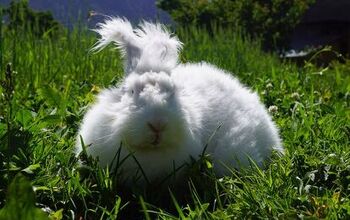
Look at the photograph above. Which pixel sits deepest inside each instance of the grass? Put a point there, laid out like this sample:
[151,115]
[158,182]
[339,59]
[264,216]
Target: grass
[57,78]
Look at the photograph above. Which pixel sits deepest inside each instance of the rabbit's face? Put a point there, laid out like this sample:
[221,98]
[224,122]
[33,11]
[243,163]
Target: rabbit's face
[154,119]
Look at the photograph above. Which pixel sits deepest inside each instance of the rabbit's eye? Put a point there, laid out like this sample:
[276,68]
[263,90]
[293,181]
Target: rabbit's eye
[132,91]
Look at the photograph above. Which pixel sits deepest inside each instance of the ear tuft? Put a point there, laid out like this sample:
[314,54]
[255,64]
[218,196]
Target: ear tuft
[160,48]
[148,48]
[120,32]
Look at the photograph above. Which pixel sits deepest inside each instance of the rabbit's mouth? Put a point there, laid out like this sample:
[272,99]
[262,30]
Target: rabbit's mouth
[156,129]
[156,139]
[153,142]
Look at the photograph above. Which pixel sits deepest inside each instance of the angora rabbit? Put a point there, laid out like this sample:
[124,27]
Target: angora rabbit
[163,113]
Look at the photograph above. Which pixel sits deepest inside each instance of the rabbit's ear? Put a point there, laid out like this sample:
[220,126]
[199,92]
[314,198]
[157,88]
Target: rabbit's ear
[160,50]
[119,31]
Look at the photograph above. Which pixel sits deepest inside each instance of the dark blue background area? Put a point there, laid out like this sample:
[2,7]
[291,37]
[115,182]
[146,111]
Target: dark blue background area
[69,12]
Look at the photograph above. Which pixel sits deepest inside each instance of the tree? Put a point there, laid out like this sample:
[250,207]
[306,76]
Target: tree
[21,17]
[270,20]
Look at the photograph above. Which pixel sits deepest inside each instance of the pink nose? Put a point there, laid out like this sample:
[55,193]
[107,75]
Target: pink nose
[157,126]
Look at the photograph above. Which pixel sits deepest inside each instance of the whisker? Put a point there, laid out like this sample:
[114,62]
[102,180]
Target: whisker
[105,136]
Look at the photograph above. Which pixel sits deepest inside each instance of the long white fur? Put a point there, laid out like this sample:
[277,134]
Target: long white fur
[150,47]
[194,101]
[119,31]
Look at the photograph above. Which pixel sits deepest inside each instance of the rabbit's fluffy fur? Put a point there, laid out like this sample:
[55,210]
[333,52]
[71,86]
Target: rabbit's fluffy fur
[163,113]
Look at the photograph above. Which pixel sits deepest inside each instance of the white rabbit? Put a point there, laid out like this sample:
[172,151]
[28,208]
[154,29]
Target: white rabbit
[163,113]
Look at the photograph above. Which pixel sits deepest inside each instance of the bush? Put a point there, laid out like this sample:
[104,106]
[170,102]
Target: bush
[271,20]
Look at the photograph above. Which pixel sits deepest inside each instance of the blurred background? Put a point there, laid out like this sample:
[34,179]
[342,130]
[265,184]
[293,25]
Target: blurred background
[293,28]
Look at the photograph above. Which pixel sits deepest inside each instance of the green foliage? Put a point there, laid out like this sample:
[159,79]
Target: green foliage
[272,20]
[58,78]
[20,202]
[21,17]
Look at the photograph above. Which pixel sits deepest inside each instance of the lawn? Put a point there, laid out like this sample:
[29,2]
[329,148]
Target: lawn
[56,78]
